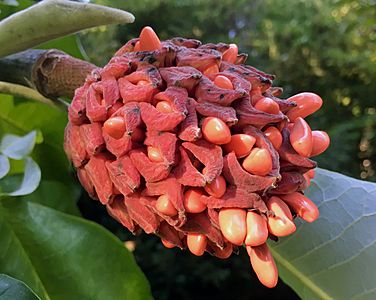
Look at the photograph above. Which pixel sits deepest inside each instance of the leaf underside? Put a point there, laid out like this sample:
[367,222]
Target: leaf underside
[334,257]
[51,19]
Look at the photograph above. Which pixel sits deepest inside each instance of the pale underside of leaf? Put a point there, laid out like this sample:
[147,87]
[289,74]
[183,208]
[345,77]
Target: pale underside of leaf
[51,19]
[31,179]
[4,165]
[17,147]
[334,257]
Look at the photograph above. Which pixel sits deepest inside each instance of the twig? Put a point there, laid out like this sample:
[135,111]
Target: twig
[28,93]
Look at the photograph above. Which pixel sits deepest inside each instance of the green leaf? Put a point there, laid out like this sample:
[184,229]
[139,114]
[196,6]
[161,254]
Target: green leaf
[69,44]
[10,183]
[7,9]
[20,118]
[23,117]
[17,147]
[51,19]
[57,195]
[6,103]
[30,180]
[4,165]
[13,289]
[65,257]
[334,257]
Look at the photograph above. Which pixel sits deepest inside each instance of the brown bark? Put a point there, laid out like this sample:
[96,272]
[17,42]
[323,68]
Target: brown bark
[52,73]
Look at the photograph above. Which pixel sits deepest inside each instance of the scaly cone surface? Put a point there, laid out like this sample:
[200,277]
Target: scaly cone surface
[183,140]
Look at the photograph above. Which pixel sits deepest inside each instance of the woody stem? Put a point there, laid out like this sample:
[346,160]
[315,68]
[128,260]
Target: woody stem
[50,72]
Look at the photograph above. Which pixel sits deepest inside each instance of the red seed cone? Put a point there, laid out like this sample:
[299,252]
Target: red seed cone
[164,118]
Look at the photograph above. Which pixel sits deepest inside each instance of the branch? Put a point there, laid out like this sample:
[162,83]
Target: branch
[28,93]
[51,72]
[24,92]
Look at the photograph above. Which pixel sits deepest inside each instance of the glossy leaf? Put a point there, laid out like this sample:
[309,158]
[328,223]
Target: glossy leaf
[64,257]
[4,165]
[17,147]
[57,195]
[334,257]
[13,289]
[54,18]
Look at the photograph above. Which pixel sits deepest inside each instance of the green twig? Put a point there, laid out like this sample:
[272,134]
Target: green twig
[28,93]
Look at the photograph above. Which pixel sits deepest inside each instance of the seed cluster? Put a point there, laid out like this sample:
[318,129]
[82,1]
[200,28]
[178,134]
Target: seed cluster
[183,140]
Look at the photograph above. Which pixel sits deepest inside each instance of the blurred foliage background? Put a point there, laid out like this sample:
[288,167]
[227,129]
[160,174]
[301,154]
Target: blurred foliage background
[326,47]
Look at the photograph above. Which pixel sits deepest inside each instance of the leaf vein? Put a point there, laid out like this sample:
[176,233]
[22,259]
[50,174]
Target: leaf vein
[319,246]
[366,292]
[306,281]
[344,261]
